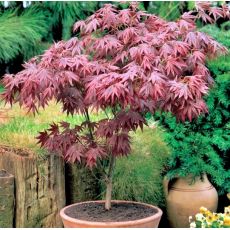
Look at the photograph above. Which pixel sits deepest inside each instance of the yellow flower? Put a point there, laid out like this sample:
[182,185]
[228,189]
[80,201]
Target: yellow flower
[215,216]
[207,218]
[227,220]
[227,210]
[203,210]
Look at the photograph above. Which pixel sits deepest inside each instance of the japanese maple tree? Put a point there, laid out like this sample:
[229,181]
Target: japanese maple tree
[125,63]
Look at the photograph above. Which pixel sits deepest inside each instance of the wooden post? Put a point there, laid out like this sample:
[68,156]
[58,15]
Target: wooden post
[39,187]
[6,199]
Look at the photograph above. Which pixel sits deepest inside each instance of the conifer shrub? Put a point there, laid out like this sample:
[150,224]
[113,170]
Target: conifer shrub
[63,14]
[22,32]
[203,146]
[26,32]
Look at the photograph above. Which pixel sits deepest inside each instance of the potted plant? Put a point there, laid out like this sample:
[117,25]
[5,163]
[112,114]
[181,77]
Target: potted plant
[200,147]
[124,63]
[186,184]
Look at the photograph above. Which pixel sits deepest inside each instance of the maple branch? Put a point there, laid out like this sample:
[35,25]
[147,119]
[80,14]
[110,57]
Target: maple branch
[78,139]
[106,114]
[88,119]
[114,111]
[102,169]
[94,175]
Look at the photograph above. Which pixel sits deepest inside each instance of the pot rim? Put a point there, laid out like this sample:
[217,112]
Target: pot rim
[157,215]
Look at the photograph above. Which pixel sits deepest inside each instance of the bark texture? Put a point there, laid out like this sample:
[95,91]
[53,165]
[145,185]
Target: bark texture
[39,187]
[6,199]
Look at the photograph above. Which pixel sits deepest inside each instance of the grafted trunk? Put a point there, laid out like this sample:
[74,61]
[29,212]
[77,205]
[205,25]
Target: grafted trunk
[109,183]
[108,196]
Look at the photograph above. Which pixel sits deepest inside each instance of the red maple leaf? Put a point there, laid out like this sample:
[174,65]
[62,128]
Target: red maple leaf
[127,62]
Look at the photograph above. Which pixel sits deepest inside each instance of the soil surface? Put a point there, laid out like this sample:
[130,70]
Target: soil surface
[119,212]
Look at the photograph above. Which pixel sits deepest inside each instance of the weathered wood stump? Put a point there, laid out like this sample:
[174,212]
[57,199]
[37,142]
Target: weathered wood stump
[39,187]
[6,199]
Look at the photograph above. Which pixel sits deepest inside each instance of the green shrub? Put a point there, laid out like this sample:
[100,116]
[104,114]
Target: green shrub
[140,178]
[28,32]
[192,151]
[204,144]
[22,33]
[171,10]
[1,88]
[65,13]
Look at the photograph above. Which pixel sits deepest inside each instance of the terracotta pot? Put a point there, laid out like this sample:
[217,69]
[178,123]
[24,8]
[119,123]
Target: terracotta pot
[148,222]
[184,200]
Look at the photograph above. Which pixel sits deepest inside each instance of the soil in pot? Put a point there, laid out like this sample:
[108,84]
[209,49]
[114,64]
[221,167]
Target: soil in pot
[119,212]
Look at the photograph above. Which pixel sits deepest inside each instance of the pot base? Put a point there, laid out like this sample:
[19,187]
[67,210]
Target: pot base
[123,214]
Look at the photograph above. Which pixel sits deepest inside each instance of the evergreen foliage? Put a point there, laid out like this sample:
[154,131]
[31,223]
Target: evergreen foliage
[28,32]
[204,145]
[168,10]
[1,89]
[221,34]
[21,33]
[65,13]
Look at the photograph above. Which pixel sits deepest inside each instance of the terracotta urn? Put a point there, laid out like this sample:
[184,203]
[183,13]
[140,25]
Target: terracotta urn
[184,199]
[151,221]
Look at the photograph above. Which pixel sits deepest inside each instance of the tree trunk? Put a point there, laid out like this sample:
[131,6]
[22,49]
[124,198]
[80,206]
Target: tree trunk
[108,195]
[109,183]
[39,187]
[6,199]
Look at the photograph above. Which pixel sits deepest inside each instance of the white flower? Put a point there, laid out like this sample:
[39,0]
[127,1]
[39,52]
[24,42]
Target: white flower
[190,218]
[6,4]
[203,225]
[221,222]
[26,4]
[193,225]
[199,216]
[227,209]
[221,215]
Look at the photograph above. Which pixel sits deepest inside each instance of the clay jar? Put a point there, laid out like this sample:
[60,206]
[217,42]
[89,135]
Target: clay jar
[184,199]
[148,222]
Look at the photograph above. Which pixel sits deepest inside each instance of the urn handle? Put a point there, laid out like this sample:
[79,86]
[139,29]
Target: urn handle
[166,186]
